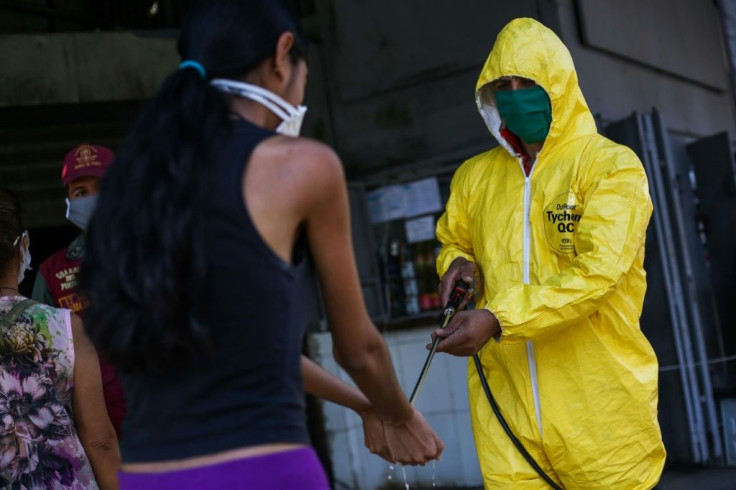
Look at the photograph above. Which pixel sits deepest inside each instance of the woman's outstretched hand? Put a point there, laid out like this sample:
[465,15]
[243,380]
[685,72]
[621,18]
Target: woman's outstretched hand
[413,441]
[373,431]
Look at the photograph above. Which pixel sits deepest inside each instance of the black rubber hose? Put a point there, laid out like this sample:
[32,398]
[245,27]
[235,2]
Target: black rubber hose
[507,429]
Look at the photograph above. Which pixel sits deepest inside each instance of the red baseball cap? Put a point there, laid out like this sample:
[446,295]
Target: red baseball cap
[85,161]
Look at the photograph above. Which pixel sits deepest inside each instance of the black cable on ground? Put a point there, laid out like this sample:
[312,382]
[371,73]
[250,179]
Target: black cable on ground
[507,429]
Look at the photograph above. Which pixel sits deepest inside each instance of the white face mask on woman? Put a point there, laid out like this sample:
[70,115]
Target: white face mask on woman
[291,116]
[25,256]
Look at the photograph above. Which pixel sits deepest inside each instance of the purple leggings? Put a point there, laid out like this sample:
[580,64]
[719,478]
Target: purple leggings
[298,469]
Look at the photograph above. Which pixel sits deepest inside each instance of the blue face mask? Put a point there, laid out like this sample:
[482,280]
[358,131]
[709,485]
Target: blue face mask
[79,210]
[527,112]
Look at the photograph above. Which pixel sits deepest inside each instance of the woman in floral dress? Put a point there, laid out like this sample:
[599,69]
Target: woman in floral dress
[54,430]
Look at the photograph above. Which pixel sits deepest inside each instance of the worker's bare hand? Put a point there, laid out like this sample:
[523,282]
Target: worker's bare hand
[467,333]
[460,269]
[413,441]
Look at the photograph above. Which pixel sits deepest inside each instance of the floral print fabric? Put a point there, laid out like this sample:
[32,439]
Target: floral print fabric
[39,447]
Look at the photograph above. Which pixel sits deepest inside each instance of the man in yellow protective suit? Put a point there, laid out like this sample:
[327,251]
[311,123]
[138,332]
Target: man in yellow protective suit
[551,224]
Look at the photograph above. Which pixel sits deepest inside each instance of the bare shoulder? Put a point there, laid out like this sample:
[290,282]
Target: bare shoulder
[305,157]
[305,171]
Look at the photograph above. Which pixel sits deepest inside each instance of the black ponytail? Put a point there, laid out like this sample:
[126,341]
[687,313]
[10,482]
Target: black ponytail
[145,268]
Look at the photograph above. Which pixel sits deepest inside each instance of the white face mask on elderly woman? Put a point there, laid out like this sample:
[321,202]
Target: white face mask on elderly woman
[291,116]
[25,256]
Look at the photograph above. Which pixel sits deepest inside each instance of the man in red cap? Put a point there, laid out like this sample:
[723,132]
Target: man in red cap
[56,283]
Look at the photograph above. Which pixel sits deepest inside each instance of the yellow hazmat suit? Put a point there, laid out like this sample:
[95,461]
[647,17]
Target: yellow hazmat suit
[559,256]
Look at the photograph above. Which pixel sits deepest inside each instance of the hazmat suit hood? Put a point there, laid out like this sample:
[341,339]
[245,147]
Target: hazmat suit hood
[526,48]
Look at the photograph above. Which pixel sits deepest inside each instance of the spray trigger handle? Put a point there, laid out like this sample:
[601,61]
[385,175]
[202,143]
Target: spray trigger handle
[457,296]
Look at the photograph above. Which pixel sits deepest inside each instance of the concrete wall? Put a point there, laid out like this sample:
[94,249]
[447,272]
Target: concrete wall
[633,56]
[82,68]
[401,76]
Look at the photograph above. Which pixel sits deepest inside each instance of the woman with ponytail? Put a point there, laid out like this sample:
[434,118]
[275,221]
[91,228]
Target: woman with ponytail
[197,265]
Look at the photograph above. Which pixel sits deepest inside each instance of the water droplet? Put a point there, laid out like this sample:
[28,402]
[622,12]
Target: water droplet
[403,470]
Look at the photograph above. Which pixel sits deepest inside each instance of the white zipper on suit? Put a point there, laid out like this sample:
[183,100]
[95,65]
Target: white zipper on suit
[525,252]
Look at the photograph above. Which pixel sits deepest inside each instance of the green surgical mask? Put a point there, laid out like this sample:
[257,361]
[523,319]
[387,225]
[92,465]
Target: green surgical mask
[527,112]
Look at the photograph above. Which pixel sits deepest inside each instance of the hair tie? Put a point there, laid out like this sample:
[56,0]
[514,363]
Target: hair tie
[196,65]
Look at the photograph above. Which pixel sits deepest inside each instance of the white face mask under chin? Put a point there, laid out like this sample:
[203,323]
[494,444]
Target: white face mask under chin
[291,116]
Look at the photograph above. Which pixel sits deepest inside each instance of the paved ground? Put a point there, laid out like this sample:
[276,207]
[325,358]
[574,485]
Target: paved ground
[698,478]
[673,479]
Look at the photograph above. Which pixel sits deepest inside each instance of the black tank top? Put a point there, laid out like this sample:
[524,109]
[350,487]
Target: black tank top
[248,391]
